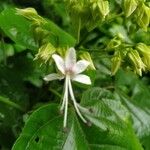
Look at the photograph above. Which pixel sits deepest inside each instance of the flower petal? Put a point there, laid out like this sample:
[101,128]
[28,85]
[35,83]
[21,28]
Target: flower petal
[70,58]
[81,66]
[59,62]
[82,79]
[53,76]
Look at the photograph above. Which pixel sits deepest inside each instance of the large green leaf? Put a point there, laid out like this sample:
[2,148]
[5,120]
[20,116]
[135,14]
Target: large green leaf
[140,115]
[110,127]
[111,120]
[44,131]
[17,28]
[61,37]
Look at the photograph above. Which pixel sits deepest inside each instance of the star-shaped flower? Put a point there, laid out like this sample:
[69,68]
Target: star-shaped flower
[70,69]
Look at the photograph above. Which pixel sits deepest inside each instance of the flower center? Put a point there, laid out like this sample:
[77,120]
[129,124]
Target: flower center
[69,70]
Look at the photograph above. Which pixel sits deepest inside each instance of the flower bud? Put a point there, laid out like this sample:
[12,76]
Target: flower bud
[94,5]
[103,7]
[86,56]
[45,52]
[41,35]
[143,16]
[146,61]
[129,7]
[62,51]
[114,43]
[30,14]
[136,61]
[116,62]
[145,51]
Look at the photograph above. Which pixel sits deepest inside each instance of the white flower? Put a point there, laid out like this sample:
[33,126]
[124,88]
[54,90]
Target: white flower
[70,70]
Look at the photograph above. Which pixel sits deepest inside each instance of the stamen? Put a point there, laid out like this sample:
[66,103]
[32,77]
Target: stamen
[75,103]
[63,102]
[66,102]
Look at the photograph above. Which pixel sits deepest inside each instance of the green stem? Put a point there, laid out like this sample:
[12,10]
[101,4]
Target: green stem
[80,42]
[79,28]
[55,92]
[4,53]
[10,103]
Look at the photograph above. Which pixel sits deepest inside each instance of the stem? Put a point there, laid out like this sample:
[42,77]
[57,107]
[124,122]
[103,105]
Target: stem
[4,52]
[79,28]
[82,40]
[10,103]
[55,92]
[75,103]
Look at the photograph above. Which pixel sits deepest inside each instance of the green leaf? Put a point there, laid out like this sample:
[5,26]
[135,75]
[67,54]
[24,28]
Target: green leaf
[44,130]
[111,120]
[135,96]
[145,143]
[110,127]
[17,28]
[138,100]
[140,115]
[45,30]
[62,38]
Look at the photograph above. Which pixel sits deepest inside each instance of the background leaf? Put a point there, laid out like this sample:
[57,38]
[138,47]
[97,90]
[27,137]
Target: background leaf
[135,96]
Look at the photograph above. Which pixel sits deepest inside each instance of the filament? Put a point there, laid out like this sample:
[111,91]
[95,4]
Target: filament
[66,102]
[75,103]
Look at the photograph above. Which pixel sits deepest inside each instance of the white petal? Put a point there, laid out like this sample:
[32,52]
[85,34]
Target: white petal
[53,76]
[59,62]
[82,79]
[70,58]
[81,66]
